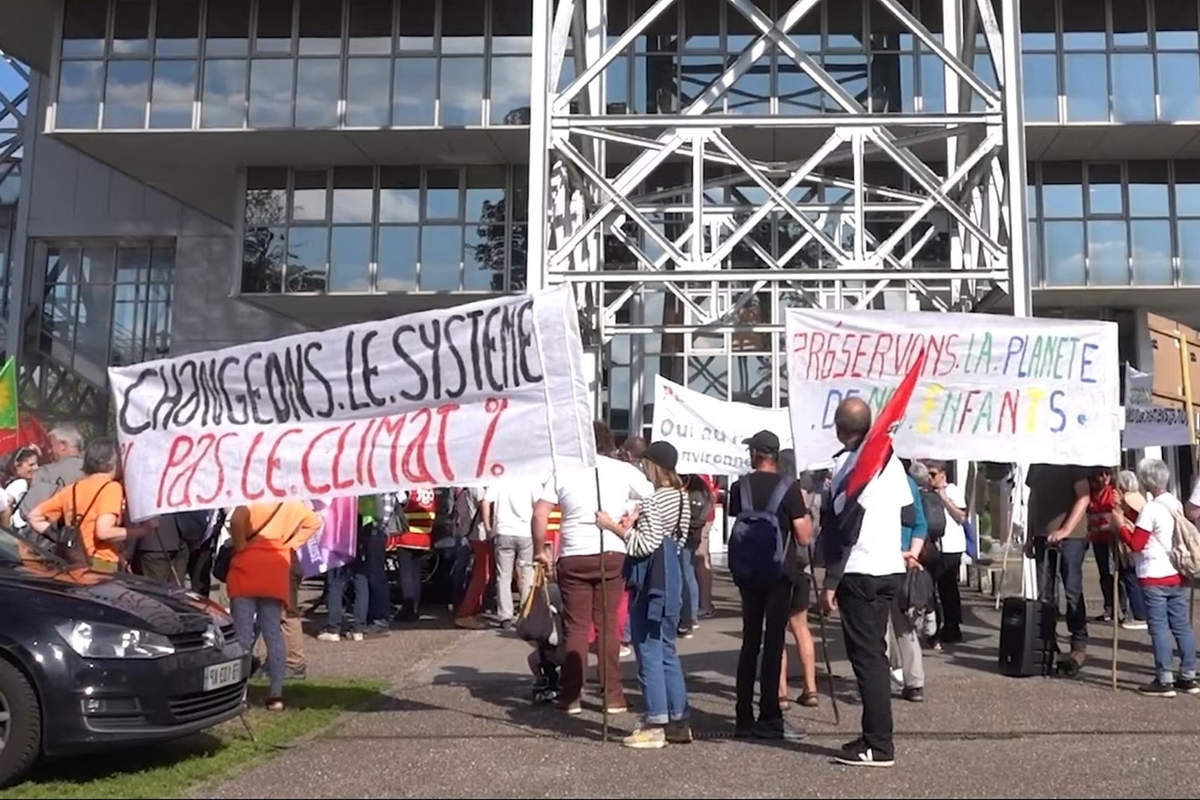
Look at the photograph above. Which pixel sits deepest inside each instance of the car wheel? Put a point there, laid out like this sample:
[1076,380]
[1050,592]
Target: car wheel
[20,724]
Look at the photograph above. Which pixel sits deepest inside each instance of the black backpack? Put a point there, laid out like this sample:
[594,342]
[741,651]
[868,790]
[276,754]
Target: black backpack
[935,515]
[464,514]
[700,500]
[68,540]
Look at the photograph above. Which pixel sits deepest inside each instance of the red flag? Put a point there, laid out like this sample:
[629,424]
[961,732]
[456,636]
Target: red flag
[873,454]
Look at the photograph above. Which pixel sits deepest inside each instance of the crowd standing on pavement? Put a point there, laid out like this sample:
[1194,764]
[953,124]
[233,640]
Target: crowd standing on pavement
[624,549]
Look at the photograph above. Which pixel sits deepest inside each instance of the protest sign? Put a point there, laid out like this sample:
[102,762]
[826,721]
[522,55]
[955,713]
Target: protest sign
[709,432]
[1147,424]
[336,544]
[459,396]
[994,388]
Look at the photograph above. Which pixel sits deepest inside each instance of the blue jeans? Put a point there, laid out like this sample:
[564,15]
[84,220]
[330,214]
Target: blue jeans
[1070,567]
[410,577]
[1133,604]
[659,672]
[374,569]
[691,587]
[335,583]
[1167,615]
[255,615]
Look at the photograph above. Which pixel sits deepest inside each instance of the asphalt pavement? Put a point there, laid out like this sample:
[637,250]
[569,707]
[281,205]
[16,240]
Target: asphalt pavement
[459,722]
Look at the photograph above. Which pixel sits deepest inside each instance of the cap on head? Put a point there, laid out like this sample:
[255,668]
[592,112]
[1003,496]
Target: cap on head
[663,454]
[763,442]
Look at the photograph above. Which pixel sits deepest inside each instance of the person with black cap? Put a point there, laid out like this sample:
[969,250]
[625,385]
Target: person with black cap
[766,601]
[654,533]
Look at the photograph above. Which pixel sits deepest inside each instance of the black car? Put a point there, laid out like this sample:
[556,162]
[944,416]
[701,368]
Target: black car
[92,661]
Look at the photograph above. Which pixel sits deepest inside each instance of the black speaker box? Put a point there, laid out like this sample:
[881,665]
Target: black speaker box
[1025,626]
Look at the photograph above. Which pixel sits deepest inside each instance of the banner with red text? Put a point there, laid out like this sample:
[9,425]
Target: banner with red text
[994,388]
[458,396]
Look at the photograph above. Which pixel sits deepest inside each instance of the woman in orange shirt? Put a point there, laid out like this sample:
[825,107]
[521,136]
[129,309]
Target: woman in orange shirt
[264,536]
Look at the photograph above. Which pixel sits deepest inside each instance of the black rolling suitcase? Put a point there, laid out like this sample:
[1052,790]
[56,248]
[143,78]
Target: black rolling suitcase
[1027,629]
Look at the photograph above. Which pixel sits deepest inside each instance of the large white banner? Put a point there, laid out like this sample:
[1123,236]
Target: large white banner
[708,432]
[458,396]
[1148,425]
[994,388]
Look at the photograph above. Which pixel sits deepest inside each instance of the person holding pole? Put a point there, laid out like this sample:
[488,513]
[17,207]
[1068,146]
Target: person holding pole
[590,563]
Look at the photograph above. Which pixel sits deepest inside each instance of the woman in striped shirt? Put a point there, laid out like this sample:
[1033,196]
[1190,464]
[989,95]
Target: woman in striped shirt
[654,534]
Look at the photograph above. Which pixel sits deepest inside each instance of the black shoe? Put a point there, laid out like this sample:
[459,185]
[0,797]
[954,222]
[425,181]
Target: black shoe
[684,632]
[1187,686]
[953,637]
[743,730]
[778,730]
[865,757]
[913,694]
[296,673]
[1105,617]
[1157,688]
[854,745]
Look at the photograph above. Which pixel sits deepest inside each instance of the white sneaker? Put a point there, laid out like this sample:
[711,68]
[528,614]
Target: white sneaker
[898,678]
[626,651]
[864,757]
[1134,625]
[328,636]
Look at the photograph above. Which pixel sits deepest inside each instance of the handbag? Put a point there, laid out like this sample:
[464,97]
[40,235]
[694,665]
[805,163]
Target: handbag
[224,558]
[535,622]
[916,591]
[68,541]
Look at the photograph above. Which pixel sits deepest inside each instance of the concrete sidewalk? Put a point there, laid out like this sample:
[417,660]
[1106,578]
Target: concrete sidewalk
[459,722]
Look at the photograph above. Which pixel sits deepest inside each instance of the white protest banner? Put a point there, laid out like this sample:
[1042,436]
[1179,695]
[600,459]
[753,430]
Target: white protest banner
[708,432]
[994,388]
[1147,424]
[459,396]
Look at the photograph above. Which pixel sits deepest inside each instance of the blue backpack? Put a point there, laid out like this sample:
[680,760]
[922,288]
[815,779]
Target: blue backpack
[756,543]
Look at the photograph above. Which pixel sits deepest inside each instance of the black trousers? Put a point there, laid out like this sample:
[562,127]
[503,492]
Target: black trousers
[865,602]
[768,607]
[199,565]
[949,606]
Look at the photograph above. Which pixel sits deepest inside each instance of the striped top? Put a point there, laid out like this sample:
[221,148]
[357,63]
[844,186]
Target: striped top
[665,513]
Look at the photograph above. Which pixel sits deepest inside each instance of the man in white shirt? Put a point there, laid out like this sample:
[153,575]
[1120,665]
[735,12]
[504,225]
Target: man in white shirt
[512,514]
[952,545]
[863,580]
[1191,508]
[614,487]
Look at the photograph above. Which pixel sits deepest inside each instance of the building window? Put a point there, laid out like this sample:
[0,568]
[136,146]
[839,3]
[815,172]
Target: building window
[388,229]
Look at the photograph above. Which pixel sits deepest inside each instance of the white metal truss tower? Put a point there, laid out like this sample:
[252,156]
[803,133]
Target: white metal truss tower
[836,195]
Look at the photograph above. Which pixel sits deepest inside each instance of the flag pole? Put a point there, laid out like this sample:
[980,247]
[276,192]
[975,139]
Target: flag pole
[812,572]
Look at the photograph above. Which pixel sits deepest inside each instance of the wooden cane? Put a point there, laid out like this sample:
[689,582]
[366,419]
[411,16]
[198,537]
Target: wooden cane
[1116,562]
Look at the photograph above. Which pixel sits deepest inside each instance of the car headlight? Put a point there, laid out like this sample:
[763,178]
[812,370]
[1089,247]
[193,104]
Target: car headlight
[99,640]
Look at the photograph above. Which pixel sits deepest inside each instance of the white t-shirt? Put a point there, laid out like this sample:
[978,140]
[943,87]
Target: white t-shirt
[621,486]
[13,494]
[512,507]
[877,551]
[1154,560]
[954,540]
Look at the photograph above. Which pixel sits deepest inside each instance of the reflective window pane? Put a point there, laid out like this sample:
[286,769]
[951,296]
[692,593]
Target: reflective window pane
[416,26]
[1148,189]
[263,259]
[844,26]
[483,258]
[893,82]
[270,93]
[462,26]
[79,94]
[353,194]
[320,27]
[1062,190]
[397,270]
[224,101]
[1189,251]
[1175,26]
[441,257]
[399,194]
[415,90]
[1064,253]
[1040,74]
[317,89]
[227,29]
[1187,188]
[266,196]
[1107,255]
[131,27]
[1133,87]
[85,24]
[441,194]
[512,26]
[1083,27]
[1179,86]
[1151,252]
[1130,28]
[370,27]
[173,94]
[1104,189]
[485,194]
[177,28]
[461,91]
[350,259]
[310,198]
[510,91]
[307,258]
[274,31]
[125,94]
[798,93]
[1037,26]
[933,84]
[368,92]
[517,258]
[1086,87]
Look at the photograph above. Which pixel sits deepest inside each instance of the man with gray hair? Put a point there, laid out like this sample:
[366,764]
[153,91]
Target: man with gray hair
[66,450]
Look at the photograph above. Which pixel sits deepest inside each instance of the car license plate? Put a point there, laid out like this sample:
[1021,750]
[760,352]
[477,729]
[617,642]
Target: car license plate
[220,675]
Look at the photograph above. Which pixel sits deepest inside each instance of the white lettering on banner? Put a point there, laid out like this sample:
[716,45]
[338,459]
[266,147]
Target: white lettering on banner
[708,432]
[1148,425]
[458,396]
[993,388]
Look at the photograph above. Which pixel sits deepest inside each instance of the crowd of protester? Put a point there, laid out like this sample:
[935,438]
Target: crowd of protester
[625,548]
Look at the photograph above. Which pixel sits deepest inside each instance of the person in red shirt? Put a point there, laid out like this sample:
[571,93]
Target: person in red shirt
[1166,595]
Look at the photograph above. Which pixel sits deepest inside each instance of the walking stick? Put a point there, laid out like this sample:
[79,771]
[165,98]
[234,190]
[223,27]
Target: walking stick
[602,638]
[837,717]
[1116,608]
